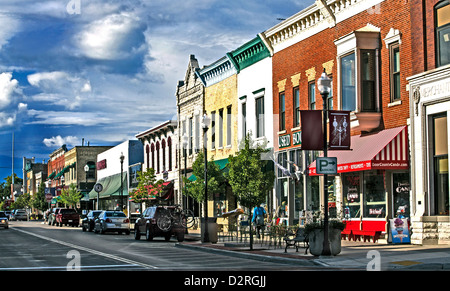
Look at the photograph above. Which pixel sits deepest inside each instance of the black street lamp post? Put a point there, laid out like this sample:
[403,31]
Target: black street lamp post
[324,86]
[205,125]
[121,181]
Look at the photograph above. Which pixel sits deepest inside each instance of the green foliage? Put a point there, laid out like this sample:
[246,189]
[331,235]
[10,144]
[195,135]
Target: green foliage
[38,201]
[70,196]
[148,187]
[247,175]
[216,180]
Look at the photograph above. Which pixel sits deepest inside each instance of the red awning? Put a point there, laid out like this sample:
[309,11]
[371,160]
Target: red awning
[384,150]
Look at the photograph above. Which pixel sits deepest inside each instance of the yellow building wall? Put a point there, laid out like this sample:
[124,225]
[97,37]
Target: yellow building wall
[220,96]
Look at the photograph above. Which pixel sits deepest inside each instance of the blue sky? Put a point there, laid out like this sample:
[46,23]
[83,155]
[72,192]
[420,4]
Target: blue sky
[107,70]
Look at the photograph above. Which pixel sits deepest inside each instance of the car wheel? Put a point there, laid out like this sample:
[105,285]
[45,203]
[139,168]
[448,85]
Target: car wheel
[83,228]
[167,236]
[127,232]
[137,234]
[180,236]
[148,234]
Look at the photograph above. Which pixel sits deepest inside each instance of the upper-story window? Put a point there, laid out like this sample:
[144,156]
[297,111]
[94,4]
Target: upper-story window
[442,22]
[259,116]
[296,107]
[312,95]
[282,112]
[358,70]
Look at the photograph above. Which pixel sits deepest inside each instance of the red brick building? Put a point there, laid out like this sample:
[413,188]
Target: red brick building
[365,47]
[429,90]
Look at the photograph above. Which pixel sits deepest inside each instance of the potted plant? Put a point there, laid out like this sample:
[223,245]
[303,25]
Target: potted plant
[315,232]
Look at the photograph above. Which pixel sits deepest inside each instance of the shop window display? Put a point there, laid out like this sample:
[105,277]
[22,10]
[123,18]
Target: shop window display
[374,194]
[401,187]
[352,195]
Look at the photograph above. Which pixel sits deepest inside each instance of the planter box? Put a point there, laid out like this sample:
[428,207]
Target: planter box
[316,238]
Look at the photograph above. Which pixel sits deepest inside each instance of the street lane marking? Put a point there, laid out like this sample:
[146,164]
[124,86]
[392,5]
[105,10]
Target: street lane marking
[130,262]
[65,268]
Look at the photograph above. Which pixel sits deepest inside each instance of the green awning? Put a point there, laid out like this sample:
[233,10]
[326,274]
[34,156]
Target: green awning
[111,187]
[222,166]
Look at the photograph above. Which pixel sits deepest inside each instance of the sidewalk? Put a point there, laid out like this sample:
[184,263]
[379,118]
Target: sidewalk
[353,256]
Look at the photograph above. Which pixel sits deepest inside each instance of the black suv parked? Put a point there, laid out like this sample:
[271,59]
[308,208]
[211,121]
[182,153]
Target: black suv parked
[162,221]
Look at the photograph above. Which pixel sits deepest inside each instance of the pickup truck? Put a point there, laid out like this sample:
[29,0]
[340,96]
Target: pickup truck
[67,216]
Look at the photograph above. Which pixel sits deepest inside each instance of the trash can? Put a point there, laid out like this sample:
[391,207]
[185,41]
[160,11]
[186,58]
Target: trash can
[212,229]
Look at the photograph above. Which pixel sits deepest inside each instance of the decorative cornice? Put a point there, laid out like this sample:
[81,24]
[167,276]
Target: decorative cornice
[217,71]
[314,19]
[249,53]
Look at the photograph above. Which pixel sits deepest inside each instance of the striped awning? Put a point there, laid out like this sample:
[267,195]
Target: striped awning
[385,150]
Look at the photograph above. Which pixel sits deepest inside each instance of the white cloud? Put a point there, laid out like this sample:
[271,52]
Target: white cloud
[9,27]
[67,118]
[114,37]
[8,86]
[38,78]
[58,141]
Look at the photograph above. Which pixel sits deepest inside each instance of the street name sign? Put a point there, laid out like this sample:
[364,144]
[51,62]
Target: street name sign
[326,166]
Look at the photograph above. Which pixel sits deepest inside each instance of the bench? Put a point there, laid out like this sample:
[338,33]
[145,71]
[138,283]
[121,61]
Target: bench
[371,230]
[293,239]
[350,227]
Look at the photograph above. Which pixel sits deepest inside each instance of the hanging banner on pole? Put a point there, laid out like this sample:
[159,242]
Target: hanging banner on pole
[339,133]
[312,130]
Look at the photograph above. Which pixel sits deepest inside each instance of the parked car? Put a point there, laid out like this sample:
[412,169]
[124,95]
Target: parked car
[4,220]
[67,216]
[162,221]
[112,221]
[88,222]
[20,214]
[52,216]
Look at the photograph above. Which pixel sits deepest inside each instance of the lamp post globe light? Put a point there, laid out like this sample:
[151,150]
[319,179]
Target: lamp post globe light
[324,86]
[206,122]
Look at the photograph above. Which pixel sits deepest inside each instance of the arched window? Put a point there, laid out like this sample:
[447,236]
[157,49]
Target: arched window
[147,153]
[169,144]
[157,157]
[163,143]
[152,149]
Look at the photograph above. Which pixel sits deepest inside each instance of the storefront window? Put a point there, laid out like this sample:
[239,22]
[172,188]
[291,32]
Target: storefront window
[401,187]
[440,160]
[352,195]
[374,194]
[331,197]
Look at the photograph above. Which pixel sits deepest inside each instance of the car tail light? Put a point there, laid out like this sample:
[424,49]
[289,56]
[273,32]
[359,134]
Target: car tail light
[126,220]
[108,220]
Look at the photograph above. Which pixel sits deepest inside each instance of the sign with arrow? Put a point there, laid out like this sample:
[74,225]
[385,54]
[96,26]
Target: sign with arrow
[326,166]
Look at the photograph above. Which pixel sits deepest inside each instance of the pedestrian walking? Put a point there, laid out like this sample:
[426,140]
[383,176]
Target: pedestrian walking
[259,213]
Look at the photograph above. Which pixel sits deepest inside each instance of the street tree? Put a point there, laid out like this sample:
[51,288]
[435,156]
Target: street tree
[38,201]
[148,187]
[70,196]
[216,179]
[249,177]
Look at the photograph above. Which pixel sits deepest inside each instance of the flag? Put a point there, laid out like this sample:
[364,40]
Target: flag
[312,134]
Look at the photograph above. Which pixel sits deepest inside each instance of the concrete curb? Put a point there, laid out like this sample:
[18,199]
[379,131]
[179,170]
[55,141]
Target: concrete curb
[246,255]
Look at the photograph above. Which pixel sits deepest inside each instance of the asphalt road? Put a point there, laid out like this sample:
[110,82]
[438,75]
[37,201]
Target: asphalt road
[33,245]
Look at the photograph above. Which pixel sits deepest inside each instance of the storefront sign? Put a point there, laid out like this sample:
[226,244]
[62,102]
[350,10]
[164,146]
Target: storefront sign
[339,133]
[399,230]
[284,140]
[297,138]
[101,164]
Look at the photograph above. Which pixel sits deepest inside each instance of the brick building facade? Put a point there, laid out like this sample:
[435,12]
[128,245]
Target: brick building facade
[365,48]
[429,109]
